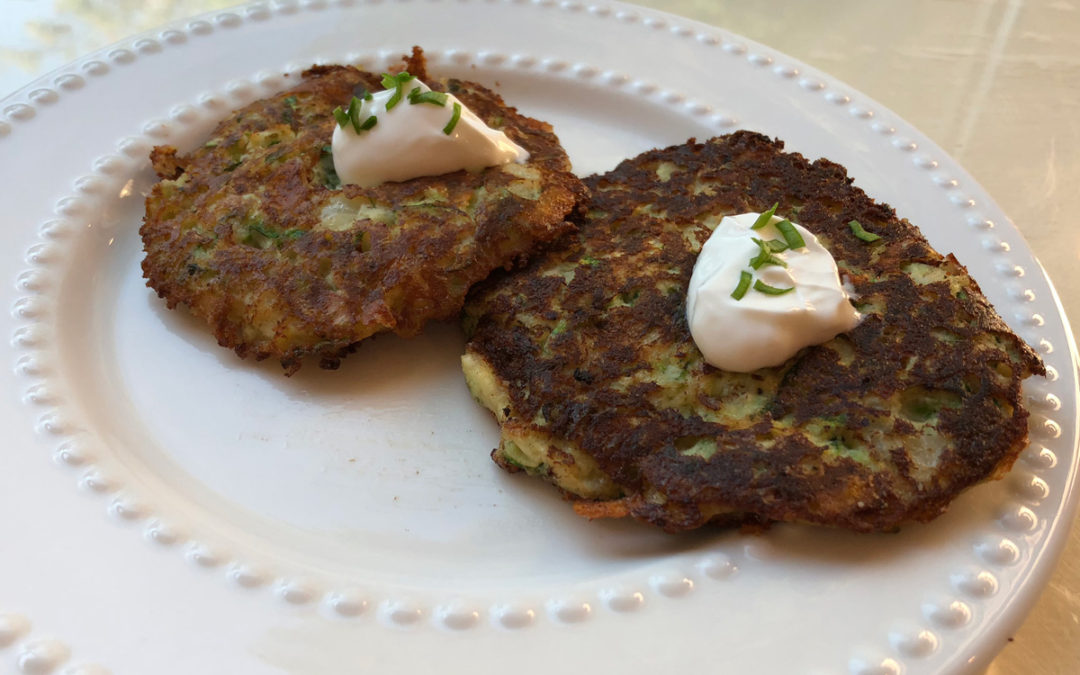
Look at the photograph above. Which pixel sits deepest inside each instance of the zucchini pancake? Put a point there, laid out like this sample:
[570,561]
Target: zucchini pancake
[255,234]
[586,360]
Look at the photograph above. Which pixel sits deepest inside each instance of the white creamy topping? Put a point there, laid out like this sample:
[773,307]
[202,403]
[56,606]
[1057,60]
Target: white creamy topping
[408,141]
[762,330]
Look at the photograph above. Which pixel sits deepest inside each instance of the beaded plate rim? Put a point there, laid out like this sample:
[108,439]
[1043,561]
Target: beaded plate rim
[949,616]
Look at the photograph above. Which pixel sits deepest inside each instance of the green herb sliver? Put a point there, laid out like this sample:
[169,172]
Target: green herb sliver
[765,288]
[744,285]
[791,235]
[391,80]
[432,97]
[394,99]
[453,119]
[764,218]
[765,255]
[264,231]
[354,113]
[397,83]
[342,117]
[858,231]
[351,115]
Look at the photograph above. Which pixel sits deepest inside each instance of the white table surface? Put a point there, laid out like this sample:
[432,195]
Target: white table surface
[996,83]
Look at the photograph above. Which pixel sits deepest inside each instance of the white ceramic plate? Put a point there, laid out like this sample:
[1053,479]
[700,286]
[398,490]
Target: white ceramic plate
[168,508]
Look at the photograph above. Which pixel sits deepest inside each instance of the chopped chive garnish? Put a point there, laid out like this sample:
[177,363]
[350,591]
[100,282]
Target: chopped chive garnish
[290,101]
[776,246]
[397,83]
[354,113]
[453,119]
[763,259]
[391,81]
[791,235]
[765,288]
[744,285]
[764,256]
[764,218]
[394,99]
[858,231]
[342,117]
[351,115]
[433,97]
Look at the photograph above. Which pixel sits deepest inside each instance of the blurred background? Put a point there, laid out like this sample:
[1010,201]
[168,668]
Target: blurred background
[996,83]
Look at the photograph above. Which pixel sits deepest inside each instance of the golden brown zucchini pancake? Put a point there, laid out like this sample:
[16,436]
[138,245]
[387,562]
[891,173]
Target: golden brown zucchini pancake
[586,360]
[254,233]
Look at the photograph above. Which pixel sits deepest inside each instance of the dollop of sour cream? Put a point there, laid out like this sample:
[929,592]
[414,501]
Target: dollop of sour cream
[409,141]
[760,329]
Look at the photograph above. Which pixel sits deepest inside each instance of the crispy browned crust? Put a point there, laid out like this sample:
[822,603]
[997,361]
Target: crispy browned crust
[877,427]
[163,159]
[593,509]
[234,230]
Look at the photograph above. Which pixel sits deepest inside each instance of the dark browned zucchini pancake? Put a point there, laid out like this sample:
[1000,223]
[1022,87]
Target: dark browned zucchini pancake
[255,235]
[586,360]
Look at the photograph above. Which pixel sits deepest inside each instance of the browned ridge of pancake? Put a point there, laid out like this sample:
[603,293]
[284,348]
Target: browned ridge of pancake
[586,360]
[255,235]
